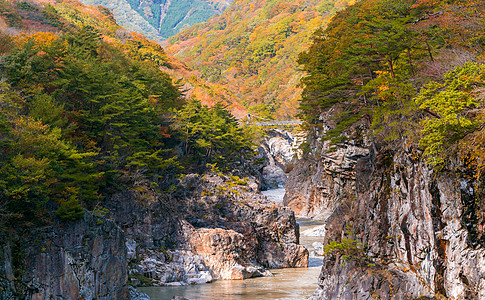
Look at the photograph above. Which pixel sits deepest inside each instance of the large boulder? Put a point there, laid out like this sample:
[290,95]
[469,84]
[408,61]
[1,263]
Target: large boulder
[241,233]
[171,267]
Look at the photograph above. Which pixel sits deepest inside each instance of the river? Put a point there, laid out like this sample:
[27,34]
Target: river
[286,284]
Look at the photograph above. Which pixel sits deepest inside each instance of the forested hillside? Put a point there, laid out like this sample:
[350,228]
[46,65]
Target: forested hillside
[160,19]
[252,49]
[393,102]
[407,71]
[156,20]
[86,110]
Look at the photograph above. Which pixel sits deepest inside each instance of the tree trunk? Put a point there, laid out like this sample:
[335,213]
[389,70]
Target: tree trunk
[429,51]
[391,68]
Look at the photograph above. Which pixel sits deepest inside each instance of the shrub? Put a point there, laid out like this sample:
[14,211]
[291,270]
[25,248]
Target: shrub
[70,210]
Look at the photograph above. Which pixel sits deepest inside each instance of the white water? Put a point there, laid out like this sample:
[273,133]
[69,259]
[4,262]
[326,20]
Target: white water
[286,284]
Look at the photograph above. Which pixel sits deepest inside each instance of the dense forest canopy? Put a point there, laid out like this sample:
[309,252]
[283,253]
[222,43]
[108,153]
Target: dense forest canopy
[408,71]
[85,110]
[252,49]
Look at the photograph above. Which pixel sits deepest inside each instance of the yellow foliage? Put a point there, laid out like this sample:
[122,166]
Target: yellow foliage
[41,39]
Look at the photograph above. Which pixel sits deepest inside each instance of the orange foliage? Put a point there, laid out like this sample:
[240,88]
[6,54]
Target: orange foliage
[41,39]
[252,49]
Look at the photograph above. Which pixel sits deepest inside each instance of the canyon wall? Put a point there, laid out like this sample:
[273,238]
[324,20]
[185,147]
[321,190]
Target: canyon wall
[85,259]
[395,228]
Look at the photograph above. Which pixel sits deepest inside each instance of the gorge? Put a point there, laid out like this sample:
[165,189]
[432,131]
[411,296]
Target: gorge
[125,170]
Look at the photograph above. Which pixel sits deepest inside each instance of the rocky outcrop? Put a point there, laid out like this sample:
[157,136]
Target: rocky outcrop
[278,152]
[394,227]
[402,232]
[316,185]
[171,268]
[211,227]
[242,227]
[325,174]
[215,227]
[85,259]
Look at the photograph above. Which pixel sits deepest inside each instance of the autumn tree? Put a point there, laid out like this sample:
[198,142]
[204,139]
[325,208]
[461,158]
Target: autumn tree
[452,114]
[365,62]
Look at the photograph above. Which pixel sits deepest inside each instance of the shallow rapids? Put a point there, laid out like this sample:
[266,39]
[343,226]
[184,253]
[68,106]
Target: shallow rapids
[286,284]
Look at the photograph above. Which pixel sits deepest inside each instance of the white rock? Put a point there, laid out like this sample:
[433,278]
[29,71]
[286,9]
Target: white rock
[316,231]
[131,248]
[318,247]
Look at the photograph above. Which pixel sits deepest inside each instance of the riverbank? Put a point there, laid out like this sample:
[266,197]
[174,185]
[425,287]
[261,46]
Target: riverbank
[286,284]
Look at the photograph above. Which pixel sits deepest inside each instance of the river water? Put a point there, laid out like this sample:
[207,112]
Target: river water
[286,284]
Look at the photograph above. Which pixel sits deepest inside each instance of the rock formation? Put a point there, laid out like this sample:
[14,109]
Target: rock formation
[325,174]
[218,227]
[395,229]
[81,260]
[278,152]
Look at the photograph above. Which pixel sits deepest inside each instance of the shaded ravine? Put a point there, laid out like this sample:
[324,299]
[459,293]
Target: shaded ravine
[286,284]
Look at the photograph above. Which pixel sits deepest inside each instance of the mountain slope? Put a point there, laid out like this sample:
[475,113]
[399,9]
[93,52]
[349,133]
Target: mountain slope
[160,19]
[85,103]
[128,18]
[252,49]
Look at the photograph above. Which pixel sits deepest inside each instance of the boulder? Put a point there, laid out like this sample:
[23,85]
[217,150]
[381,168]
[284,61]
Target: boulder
[137,295]
[171,268]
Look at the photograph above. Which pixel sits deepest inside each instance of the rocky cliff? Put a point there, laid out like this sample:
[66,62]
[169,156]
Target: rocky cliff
[395,229]
[325,174]
[209,227]
[278,151]
[81,260]
[218,228]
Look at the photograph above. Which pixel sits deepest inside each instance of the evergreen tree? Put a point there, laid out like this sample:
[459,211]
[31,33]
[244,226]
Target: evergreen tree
[364,61]
[209,135]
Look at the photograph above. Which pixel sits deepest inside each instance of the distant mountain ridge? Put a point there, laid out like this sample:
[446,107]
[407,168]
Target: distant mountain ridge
[161,19]
[252,50]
